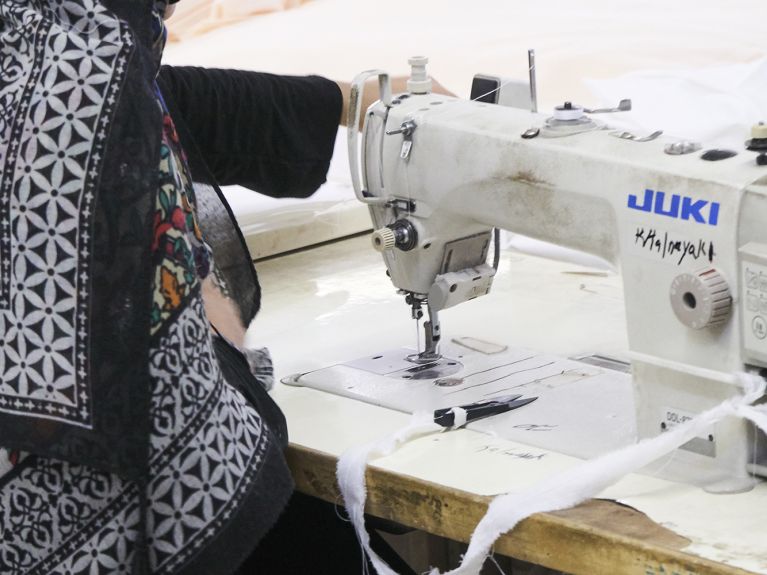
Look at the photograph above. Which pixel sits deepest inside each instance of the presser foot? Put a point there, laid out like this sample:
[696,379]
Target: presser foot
[424,357]
[400,364]
[432,332]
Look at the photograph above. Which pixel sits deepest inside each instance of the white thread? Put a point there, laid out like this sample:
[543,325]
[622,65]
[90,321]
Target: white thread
[459,417]
[558,492]
[497,566]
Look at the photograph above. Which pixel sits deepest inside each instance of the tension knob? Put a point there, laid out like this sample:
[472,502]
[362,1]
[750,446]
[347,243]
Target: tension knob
[384,239]
[701,299]
[758,141]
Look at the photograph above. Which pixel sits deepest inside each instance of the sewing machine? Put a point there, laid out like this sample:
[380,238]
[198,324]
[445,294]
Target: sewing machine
[688,234]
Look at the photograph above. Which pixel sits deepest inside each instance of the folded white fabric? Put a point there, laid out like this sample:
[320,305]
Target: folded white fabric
[714,105]
[560,491]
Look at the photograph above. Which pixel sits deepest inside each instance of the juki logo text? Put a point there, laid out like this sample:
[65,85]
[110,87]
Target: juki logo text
[676,206]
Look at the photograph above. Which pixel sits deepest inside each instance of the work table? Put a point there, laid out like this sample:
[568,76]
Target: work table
[334,303]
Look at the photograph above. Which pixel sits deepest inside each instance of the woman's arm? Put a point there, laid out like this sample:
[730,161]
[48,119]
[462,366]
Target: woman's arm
[273,134]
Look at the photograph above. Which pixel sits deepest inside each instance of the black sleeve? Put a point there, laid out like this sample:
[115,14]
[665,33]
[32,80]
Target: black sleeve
[273,134]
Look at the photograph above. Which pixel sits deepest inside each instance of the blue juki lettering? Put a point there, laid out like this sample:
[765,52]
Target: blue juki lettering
[673,211]
[691,209]
[713,214]
[646,204]
[680,207]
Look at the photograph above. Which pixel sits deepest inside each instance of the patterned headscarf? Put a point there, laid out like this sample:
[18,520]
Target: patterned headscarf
[80,131]
[136,454]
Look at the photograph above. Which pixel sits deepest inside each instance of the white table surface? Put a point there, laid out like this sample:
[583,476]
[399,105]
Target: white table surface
[334,303]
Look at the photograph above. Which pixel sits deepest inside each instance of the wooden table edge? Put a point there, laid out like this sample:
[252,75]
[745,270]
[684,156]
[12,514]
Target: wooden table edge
[595,538]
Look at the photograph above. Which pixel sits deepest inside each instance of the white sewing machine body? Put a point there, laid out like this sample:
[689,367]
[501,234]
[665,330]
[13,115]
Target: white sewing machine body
[656,217]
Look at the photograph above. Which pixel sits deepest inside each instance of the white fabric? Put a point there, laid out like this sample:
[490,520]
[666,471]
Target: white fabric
[459,417]
[351,477]
[715,105]
[558,492]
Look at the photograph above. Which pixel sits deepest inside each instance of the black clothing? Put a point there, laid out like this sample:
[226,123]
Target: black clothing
[272,134]
[275,135]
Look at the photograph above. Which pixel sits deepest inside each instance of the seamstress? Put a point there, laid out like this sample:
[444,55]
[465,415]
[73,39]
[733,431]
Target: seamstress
[135,434]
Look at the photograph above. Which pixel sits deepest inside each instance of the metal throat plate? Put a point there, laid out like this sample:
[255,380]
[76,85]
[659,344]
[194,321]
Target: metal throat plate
[395,363]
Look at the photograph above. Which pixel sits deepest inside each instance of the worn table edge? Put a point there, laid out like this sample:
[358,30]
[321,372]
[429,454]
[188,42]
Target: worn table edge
[560,540]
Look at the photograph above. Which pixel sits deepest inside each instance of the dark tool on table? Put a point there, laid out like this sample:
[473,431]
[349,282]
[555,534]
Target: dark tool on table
[446,417]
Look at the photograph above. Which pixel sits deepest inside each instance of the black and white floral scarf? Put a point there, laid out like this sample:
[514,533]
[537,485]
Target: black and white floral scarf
[123,448]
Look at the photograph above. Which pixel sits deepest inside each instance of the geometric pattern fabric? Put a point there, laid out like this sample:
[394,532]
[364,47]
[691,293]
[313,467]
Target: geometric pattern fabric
[61,66]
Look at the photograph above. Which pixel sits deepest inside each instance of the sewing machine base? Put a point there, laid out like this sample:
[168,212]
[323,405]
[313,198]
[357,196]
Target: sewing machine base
[565,418]
[586,406]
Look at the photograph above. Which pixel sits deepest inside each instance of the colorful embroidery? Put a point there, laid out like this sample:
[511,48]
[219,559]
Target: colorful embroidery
[182,257]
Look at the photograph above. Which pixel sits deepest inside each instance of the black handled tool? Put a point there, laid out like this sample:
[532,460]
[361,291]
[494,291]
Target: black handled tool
[479,410]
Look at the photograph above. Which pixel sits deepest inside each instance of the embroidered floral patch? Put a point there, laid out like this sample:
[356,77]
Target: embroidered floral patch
[181,254]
